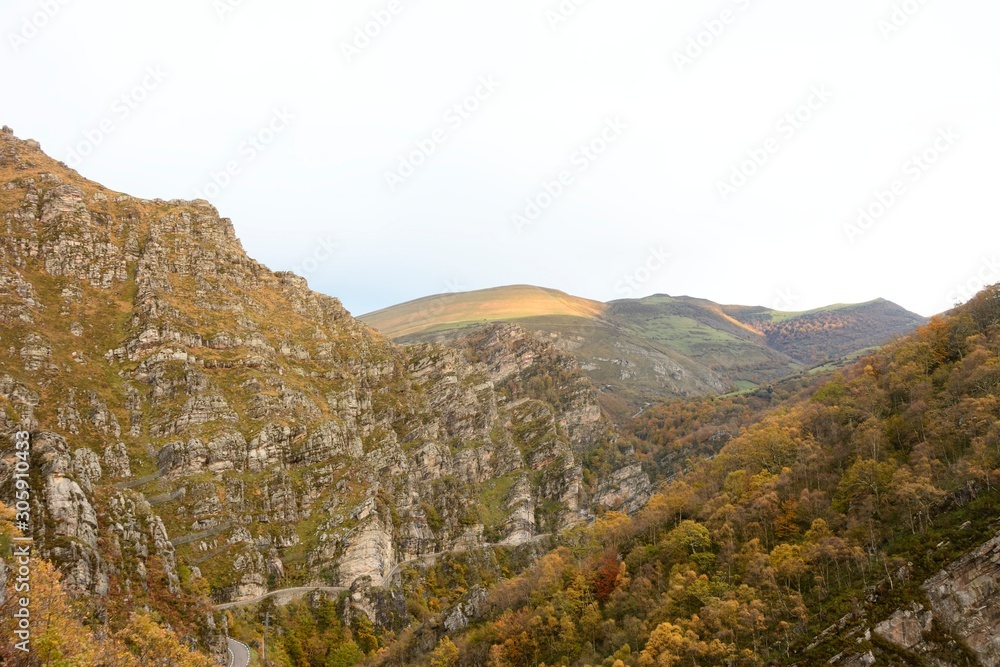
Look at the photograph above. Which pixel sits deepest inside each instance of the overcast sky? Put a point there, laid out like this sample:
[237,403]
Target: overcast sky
[716,148]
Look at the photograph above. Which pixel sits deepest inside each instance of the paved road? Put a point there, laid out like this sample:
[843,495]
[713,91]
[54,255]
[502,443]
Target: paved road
[290,591]
[239,654]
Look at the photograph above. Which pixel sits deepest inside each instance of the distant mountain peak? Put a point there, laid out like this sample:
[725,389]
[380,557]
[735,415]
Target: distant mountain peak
[659,344]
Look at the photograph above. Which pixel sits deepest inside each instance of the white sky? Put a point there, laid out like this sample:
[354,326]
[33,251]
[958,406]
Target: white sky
[779,241]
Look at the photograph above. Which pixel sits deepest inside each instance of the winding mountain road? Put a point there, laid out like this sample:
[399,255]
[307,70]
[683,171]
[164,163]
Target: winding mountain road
[285,595]
[239,653]
[282,592]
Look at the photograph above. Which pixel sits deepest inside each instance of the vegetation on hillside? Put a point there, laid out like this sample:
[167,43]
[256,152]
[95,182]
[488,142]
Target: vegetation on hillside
[817,336]
[460,309]
[838,502]
[658,346]
[671,436]
[784,508]
[61,630]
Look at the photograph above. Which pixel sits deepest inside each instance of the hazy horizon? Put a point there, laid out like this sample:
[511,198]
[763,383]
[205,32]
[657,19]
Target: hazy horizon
[643,296]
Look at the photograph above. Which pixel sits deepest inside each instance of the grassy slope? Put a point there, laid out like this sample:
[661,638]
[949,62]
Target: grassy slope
[701,330]
[660,345]
[447,311]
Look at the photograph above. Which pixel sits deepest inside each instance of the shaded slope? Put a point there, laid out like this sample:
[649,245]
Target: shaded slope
[616,359]
[703,332]
[816,336]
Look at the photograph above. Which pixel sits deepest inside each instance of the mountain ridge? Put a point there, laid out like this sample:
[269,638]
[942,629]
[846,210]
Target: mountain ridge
[659,345]
[205,429]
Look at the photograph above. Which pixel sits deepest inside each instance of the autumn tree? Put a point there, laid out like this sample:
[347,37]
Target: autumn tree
[445,654]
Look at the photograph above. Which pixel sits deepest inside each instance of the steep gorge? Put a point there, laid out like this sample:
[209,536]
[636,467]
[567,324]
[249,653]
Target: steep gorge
[204,422]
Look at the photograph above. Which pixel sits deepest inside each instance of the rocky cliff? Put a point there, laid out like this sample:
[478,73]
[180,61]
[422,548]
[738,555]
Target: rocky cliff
[193,409]
[964,609]
[951,620]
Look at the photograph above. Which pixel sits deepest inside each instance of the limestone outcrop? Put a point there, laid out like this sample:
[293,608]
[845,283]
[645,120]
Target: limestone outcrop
[192,409]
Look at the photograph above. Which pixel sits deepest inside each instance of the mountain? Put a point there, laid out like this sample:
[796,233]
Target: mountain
[850,519]
[660,345]
[204,430]
[460,309]
[816,336]
[214,450]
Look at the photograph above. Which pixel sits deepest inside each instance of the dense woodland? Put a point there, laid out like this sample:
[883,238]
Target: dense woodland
[822,503]
[825,334]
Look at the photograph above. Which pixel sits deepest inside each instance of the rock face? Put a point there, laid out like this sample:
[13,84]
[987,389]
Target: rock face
[190,406]
[965,598]
[469,609]
[907,628]
[368,553]
[72,525]
[626,489]
[964,610]
[865,659]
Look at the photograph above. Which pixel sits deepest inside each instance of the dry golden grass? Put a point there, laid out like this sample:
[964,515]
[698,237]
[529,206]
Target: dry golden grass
[446,311]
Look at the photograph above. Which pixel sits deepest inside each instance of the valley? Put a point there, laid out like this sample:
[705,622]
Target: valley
[508,477]
[659,346]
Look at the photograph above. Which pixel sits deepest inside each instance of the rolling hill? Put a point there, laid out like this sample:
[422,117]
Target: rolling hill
[659,345]
[450,311]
